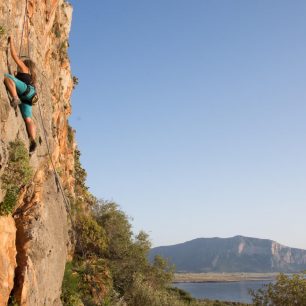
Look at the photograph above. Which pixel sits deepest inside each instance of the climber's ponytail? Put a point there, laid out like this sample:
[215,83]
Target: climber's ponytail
[32,67]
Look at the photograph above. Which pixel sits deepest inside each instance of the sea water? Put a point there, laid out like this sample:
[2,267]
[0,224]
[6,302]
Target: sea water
[223,291]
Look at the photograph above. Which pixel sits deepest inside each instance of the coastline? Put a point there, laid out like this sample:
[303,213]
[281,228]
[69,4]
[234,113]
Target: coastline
[222,277]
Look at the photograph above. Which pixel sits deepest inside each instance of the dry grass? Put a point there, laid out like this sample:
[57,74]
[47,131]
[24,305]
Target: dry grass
[221,277]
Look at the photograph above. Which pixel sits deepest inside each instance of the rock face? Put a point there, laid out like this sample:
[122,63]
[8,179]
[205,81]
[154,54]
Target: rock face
[7,256]
[236,254]
[38,229]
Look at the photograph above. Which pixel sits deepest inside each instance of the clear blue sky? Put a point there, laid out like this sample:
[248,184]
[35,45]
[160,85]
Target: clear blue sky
[190,114]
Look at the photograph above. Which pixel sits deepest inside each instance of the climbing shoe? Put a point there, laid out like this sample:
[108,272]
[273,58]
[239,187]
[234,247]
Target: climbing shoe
[15,102]
[33,146]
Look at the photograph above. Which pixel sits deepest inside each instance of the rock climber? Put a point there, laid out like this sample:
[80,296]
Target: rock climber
[22,90]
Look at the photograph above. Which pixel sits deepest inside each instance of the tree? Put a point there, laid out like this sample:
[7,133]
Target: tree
[286,291]
[117,227]
[128,254]
[125,257]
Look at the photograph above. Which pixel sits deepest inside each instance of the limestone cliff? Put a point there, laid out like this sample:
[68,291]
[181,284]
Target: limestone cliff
[34,239]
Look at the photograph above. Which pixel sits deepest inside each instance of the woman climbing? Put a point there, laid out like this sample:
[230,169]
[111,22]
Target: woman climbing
[22,89]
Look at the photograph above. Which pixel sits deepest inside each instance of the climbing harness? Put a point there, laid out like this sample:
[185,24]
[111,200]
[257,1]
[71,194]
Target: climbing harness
[34,98]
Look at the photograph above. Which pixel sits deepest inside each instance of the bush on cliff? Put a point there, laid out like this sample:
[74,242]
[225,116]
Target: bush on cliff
[91,238]
[70,291]
[17,174]
[110,259]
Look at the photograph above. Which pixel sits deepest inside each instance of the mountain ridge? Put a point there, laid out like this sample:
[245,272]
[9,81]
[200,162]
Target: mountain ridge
[233,254]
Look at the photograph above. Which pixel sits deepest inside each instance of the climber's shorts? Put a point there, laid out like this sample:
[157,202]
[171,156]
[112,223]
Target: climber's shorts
[21,87]
[26,110]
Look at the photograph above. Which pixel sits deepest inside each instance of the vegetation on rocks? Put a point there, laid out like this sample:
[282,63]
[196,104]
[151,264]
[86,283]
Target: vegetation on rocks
[17,174]
[63,51]
[2,30]
[75,81]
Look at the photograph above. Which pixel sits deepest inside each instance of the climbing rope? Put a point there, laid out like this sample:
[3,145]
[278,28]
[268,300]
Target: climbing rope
[50,156]
[25,33]
[26,25]
[57,179]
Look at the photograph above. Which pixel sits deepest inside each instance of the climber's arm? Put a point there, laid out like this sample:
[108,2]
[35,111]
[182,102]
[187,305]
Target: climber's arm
[16,58]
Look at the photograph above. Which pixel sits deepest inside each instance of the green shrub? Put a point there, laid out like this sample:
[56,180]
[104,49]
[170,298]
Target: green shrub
[63,50]
[286,291]
[143,293]
[56,29]
[70,135]
[181,294]
[9,201]
[96,281]
[12,302]
[2,30]
[70,287]
[80,174]
[86,282]
[117,228]
[162,271]
[91,239]
[17,174]
[75,81]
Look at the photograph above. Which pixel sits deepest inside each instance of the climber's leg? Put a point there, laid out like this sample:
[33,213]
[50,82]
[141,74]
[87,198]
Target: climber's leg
[11,87]
[26,111]
[15,88]
[20,86]
[30,128]
[31,132]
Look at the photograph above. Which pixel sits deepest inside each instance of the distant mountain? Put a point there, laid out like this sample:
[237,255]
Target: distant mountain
[235,254]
